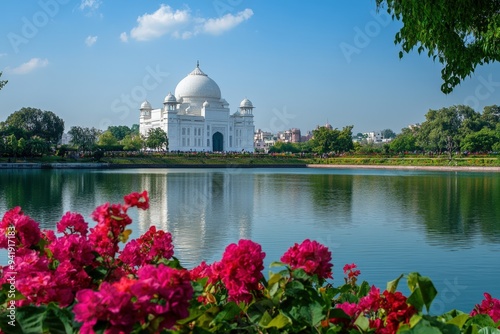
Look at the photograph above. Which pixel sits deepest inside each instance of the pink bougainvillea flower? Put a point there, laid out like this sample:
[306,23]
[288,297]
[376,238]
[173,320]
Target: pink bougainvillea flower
[149,248]
[385,312]
[74,223]
[15,225]
[241,269]
[140,200]
[489,306]
[311,256]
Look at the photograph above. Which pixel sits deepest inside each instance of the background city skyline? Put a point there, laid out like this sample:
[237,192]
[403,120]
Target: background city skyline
[92,62]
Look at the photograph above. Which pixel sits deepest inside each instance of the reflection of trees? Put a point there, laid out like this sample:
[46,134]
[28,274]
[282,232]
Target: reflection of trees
[332,193]
[454,208]
[38,192]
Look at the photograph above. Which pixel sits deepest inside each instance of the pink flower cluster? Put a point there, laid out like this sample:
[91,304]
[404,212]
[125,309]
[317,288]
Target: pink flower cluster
[489,306]
[53,268]
[351,273]
[384,311]
[149,248]
[160,293]
[240,270]
[311,256]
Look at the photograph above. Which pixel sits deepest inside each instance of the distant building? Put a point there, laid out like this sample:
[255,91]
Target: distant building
[263,141]
[197,118]
[65,139]
[289,136]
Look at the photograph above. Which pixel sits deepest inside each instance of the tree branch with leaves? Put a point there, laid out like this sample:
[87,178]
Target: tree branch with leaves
[460,34]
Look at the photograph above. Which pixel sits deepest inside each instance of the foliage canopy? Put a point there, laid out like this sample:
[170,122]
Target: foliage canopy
[460,34]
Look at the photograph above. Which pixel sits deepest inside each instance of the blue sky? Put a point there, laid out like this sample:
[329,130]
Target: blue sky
[92,62]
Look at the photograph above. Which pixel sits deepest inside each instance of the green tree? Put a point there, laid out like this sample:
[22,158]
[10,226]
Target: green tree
[332,140]
[134,129]
[2,82]
[157,139]
[132,142]
[119,131]
[35,122]
[388,134]
[84,138]
[406,141]
[491,116]
[37,146]
[481,141]
[459,34]
[107,139]
[12,146]
[445,128]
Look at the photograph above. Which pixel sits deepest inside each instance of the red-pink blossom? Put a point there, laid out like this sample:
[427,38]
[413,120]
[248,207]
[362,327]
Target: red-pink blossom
[141,201]
[489,306]
[241,269]
[148,249]
[18,227]
[74,223]
[311,256]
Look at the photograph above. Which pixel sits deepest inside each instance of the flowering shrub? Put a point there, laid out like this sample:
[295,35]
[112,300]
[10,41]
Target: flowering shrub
[79,281]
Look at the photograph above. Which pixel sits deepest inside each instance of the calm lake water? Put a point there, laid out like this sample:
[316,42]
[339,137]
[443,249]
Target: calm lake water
[445,225]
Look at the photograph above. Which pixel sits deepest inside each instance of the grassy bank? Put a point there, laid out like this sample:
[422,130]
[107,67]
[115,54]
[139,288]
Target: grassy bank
[280,159]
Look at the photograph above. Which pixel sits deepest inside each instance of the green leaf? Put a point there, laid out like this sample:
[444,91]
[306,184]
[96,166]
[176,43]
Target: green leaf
[265,320]
[58,321]
[228,312]
[423,291]
[392,286]
[277,264]
[30,319]
[274,278]
[362,323]
[278,321]
[459,320]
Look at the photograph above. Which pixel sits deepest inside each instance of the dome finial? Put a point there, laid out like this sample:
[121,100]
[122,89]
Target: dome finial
[198,63]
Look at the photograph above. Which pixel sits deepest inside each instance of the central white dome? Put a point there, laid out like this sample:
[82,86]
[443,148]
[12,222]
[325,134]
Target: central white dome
[197,85]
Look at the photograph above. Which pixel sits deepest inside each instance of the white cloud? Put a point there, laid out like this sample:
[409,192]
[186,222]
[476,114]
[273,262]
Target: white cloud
[227,22]
[30,66]
[91,8]
[90,4]
[181,24]
[165,20]
[90,40]
[124,37]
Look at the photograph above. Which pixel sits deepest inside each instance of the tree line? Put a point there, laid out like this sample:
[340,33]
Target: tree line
[452,129]
[31,132]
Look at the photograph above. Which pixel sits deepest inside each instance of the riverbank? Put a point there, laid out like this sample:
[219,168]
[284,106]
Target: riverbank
[326,166]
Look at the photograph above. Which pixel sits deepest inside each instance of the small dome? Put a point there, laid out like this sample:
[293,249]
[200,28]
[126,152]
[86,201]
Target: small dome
[170,98]
[206,104]
[246,103]
[146,105]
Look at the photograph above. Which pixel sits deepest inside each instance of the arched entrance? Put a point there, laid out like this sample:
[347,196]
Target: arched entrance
[217,142]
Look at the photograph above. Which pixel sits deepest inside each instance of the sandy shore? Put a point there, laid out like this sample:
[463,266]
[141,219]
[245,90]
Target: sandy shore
[428,168]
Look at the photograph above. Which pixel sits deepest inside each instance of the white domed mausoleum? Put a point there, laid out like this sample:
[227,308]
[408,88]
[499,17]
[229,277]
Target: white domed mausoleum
[197,118]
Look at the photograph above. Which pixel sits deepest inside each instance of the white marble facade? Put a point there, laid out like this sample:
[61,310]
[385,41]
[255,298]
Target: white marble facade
[196,118]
